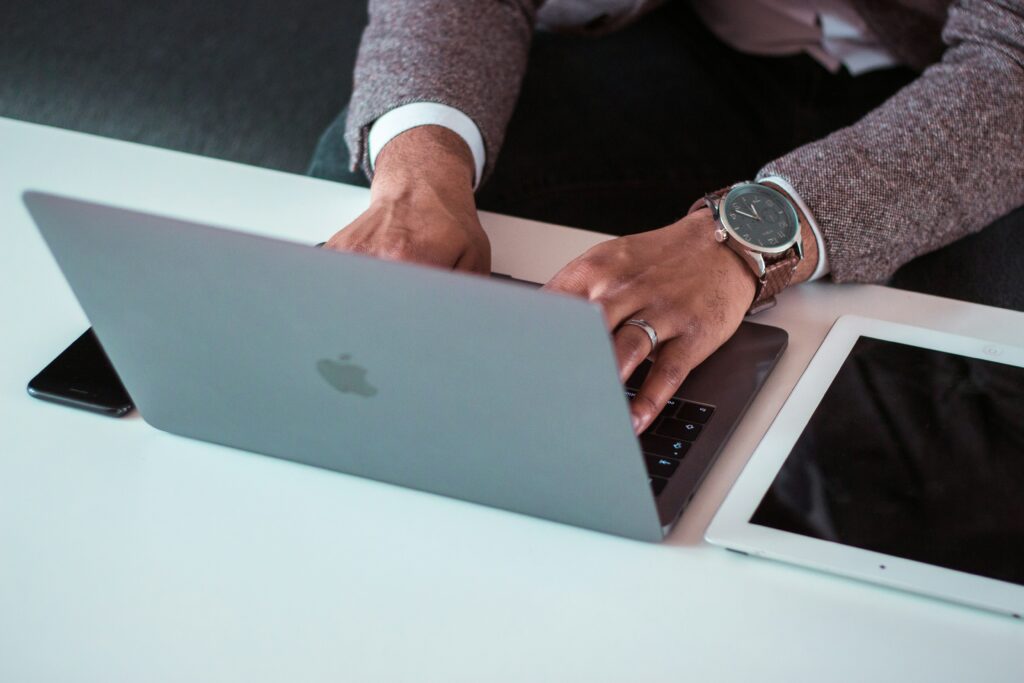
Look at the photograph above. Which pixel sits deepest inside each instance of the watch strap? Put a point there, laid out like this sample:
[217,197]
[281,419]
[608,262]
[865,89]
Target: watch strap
[779,268]
[710,200]
[777,276]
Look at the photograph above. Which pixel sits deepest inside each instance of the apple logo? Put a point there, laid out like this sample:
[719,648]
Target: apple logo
[348,378]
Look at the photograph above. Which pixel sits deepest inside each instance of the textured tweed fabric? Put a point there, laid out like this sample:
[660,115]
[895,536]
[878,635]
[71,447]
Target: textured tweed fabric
[942,158]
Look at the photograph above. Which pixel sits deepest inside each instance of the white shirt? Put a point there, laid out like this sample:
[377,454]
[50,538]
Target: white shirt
[828,30]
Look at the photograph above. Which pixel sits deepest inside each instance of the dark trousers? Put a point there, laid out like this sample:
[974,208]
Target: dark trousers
[620,134]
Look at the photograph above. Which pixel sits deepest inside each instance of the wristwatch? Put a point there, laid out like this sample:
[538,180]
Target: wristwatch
[761,225]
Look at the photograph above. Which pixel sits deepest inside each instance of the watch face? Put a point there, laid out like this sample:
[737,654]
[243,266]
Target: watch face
[761,217]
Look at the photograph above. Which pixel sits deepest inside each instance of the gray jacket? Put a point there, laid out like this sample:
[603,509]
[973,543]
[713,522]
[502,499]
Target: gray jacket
[942,158]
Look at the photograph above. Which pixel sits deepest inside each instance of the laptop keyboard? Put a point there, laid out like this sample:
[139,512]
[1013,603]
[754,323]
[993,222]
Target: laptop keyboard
[670,436]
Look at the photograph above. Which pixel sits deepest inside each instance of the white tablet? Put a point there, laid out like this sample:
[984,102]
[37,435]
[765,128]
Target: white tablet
[898,459]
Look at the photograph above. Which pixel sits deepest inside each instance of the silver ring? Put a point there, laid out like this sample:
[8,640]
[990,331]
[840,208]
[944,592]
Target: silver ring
[646,327]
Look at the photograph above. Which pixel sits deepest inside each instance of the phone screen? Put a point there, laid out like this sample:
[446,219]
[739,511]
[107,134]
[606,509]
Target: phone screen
[82,377]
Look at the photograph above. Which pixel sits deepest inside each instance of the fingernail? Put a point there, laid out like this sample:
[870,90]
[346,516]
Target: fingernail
[636,423]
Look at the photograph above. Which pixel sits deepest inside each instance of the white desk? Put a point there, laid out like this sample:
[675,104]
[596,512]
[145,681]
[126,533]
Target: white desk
[127,554]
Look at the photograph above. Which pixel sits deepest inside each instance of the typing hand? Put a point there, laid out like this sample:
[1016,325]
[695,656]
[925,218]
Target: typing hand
[690,289]
[422,207]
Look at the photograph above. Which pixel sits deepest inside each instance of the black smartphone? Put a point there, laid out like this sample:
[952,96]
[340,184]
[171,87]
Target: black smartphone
[82,377]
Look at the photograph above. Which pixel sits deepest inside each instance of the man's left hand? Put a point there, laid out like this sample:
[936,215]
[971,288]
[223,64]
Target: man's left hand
[691,289]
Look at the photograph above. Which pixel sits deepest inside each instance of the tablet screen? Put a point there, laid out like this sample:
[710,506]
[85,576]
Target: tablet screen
[914,453]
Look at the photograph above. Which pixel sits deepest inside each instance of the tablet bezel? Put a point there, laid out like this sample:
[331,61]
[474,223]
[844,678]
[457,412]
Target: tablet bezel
[731,526]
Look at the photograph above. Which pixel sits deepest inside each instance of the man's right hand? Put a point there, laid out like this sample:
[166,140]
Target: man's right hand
[422,207]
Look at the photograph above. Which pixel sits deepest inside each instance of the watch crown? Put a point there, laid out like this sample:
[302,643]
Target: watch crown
[721,235]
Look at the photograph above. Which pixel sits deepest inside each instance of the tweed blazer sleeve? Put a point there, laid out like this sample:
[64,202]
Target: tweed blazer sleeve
[942,158]
[467,54]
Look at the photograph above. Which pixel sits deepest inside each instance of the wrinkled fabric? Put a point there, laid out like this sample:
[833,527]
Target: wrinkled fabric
[942,158]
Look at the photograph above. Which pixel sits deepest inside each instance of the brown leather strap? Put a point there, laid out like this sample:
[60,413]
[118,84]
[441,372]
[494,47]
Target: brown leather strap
[777,276]
[702,202]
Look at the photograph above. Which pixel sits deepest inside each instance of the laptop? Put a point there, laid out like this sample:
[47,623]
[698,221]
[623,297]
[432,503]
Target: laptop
[460,385]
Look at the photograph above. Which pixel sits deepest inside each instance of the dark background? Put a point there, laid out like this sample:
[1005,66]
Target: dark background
[254,81]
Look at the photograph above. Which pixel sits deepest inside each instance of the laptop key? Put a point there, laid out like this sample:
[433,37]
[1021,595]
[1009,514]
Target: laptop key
[661,467]
[671,406]
[669,409]
[678,429]
[658,485]
[665,447]
[695,412]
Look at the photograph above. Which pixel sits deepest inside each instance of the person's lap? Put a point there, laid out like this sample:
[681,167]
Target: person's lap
[620,134]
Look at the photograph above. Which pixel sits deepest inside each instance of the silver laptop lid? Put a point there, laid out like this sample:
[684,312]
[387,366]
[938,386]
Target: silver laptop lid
[479,390]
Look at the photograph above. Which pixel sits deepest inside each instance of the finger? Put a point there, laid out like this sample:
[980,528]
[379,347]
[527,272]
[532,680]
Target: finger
[572,279]
[618,307]
[632,346]
[675,360]
[471,262]
[337,242]
[394,245]
[581,279]
[439,255]
[465,263]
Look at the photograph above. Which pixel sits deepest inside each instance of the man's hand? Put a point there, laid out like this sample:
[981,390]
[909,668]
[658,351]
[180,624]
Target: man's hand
[691,289]
[422,207]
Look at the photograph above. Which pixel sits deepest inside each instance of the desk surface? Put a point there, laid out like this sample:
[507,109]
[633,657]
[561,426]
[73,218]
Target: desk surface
[127,554]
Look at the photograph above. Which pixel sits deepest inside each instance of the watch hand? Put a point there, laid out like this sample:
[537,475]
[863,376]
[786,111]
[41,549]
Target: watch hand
[756,214]
[742,213]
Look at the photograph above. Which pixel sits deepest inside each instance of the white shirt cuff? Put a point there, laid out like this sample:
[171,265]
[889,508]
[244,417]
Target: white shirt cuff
[822,268]
[401,119]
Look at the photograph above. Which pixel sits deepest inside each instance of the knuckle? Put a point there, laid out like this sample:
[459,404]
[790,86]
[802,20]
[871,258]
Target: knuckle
[613,255]
[646,402]
[588,266]
[359,247]
[389,251]
[577,276]
[622,283]
[605,301]
[604,273]
[602,257]
[573,281]
[620,256]
[598,251]
[397,249]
